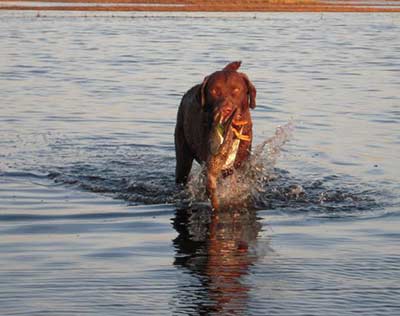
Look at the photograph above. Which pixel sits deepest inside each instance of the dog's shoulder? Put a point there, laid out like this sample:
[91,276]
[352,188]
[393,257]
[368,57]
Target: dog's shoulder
[191,97]
[189,111]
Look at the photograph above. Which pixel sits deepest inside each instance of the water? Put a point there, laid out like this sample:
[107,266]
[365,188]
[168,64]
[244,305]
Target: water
[90,220]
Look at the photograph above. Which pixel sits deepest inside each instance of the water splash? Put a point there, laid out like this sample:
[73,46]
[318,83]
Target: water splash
[272,146]
[261,185]
[245,185]
[141,175]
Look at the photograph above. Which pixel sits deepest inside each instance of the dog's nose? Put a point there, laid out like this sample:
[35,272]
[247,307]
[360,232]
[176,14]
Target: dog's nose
[226,111]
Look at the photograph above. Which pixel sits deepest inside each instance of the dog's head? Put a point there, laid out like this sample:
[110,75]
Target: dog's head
[226,92]
[226,95]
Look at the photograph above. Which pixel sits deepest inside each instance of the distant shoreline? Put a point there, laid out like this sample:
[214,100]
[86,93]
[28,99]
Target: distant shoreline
[203,5]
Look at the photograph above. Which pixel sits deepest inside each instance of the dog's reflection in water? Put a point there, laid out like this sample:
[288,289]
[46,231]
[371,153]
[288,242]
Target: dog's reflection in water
[218,248]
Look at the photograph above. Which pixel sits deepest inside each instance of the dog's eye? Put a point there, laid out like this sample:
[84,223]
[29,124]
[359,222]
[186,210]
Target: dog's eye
[215,92]
[236,90]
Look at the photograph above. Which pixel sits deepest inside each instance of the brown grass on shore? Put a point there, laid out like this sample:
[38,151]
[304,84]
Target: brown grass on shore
[203,6]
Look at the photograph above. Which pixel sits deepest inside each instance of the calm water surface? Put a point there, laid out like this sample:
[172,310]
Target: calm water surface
[90,220]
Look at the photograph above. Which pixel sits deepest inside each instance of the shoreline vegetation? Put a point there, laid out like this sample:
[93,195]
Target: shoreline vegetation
[205,5]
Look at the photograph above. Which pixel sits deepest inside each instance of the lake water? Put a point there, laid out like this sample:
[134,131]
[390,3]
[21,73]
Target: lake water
[90,220]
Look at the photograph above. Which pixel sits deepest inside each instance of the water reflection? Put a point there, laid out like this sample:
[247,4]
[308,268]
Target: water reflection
[218,250]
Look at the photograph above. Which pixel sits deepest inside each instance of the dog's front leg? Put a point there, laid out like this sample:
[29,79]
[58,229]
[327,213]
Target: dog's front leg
[211,187]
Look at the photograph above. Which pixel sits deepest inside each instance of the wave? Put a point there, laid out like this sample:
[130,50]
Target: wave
[23,174]
[147,178]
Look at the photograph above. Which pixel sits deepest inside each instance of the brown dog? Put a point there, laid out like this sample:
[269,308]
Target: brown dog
[214,126]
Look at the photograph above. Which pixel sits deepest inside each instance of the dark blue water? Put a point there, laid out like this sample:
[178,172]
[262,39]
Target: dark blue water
[90,219]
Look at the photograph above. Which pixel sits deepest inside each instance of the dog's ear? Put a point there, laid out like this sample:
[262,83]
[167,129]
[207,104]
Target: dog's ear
[233,66]
[251,91]
[202,93]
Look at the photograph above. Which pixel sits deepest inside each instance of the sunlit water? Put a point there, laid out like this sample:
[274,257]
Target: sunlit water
[91,221]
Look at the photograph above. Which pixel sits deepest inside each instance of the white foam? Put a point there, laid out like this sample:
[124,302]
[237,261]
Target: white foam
[249,181]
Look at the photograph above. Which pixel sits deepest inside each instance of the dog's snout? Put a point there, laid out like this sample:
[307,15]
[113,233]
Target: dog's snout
[222,112]
[226,111]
